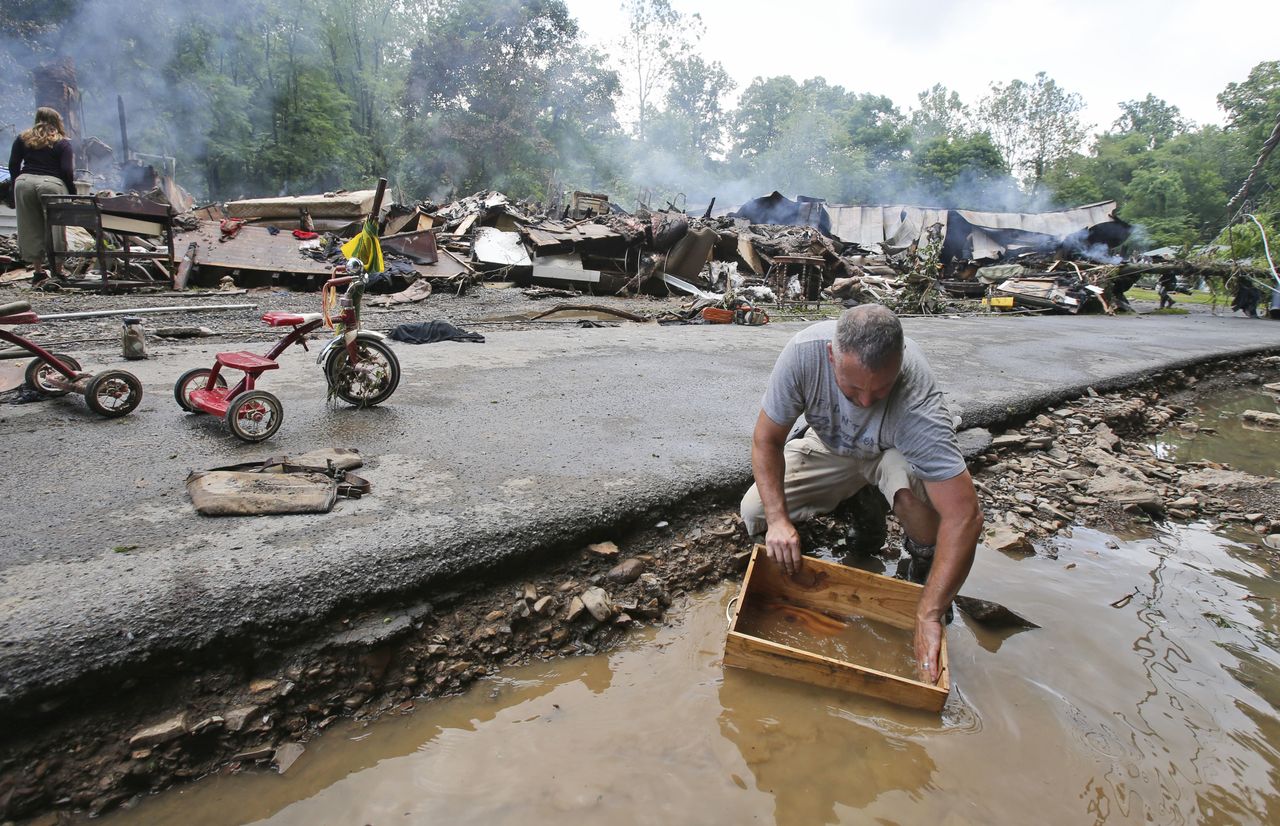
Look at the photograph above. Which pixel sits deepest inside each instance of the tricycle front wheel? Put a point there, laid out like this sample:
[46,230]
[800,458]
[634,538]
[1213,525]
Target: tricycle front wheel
[40,375]
[255,415]
[368,380]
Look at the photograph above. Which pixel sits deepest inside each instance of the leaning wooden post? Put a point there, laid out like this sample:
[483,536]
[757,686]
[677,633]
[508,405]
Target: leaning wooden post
[377,203]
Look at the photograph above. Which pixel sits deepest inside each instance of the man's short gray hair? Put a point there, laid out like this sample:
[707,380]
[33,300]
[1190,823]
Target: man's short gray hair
[872,333]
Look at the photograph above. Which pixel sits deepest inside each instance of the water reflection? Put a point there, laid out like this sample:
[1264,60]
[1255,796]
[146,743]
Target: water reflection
[812,758]
[1219,435]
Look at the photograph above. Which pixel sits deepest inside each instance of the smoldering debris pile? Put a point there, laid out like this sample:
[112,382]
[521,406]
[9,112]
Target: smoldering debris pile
[735,265]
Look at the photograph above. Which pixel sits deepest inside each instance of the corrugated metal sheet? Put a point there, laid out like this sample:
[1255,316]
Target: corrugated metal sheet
[8,221]
[870,226]
[862,225]
[1057,223]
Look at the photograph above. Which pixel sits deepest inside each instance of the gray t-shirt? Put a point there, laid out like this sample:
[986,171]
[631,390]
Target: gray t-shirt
[913,418]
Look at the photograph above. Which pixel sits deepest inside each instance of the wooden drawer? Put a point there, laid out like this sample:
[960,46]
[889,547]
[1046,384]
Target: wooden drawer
[836,593]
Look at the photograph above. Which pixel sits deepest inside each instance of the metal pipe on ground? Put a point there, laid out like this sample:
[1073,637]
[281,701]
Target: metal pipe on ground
[190,308]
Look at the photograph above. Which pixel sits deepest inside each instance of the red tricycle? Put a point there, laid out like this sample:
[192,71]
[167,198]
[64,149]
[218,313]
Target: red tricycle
[111,393]
[359,365]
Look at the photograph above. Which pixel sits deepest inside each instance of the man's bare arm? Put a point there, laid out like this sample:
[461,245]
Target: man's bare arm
[959,527]
[767,463]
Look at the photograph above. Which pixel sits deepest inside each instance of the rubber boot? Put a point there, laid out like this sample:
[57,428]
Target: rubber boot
[915,568]
[866,514]
[919,560]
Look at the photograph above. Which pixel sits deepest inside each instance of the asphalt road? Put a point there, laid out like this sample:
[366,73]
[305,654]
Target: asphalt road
[486,455]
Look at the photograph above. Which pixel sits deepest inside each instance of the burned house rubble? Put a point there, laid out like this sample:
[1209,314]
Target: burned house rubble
[764,255]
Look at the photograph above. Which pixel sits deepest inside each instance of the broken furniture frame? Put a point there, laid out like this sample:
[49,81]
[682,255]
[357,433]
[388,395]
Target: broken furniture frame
[808,268]
[125,215]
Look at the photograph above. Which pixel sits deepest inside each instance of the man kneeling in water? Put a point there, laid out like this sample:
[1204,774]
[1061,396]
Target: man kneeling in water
[875,416]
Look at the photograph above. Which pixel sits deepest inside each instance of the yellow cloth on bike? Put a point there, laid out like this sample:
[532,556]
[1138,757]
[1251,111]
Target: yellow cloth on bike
[365,246]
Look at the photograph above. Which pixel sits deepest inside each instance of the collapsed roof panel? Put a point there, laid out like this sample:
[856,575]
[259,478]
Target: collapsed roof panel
[1057,223]
[497,249]
[969,233]
[861,225]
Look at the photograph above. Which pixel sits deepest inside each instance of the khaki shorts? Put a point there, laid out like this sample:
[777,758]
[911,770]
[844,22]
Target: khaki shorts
[817,480]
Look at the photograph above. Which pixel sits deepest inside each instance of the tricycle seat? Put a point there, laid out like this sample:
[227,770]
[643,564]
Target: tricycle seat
[281,319]
[248,362]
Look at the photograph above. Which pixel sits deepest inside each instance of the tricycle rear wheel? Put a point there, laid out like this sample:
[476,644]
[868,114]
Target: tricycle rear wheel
[113,393]
[255,415]
[40,372]
[196,379]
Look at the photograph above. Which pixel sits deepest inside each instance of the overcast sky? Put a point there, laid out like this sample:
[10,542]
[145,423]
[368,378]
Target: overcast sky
[1184,51]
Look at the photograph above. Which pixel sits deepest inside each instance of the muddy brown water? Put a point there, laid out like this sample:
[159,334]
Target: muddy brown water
[850,639]
[1244,447]
[1164,710]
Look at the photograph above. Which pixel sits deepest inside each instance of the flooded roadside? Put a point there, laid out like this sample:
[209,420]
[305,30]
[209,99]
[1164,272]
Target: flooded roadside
[1085,468]
[1163,710]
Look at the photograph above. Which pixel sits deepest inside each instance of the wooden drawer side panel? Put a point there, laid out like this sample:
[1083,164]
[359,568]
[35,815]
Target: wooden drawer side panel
[837,590]
[780,661]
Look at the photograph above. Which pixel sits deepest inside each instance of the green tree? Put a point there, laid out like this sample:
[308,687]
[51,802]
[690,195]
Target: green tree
[1252,107]
[1034,124]
[1073,180]
[1156,193]
[693,119]
[813,157]
[1208,162]
[490,96]
[657,36]
[314,146]
[1252,104]
[580,126]
[945,164]
[941,113]
[361,40]
[763,108]
[874,125]
[1152,118]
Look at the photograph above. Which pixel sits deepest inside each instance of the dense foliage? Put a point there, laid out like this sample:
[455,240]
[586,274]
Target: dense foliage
[444,96]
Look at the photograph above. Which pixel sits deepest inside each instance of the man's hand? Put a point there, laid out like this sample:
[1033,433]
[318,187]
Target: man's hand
[782,542]
[928,646]
[959,526]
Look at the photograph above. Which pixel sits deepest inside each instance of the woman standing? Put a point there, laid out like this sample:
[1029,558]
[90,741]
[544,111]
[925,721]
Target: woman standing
[40,163]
